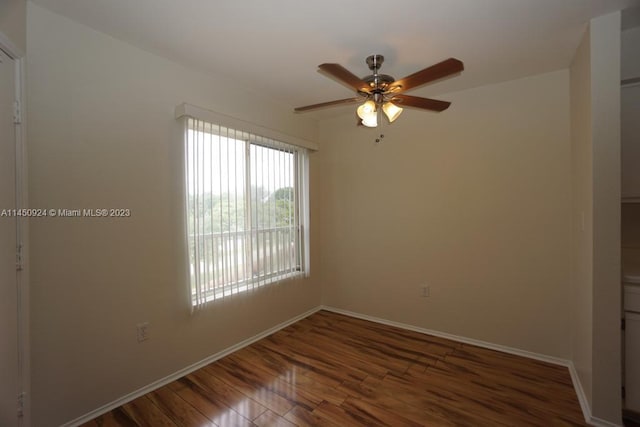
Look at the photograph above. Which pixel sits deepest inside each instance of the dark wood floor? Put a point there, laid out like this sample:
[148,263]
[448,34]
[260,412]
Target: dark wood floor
[335,370]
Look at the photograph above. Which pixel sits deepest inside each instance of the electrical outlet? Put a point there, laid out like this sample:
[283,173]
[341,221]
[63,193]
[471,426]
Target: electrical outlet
[426,291]
[142,331]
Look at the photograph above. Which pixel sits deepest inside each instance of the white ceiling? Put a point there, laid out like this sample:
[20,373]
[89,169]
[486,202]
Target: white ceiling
[275,46]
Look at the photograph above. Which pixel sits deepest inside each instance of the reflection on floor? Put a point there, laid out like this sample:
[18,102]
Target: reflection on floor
[330,369]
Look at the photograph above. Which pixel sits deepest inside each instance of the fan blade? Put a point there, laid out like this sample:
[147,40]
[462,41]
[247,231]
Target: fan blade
[327,104]
[417,102]
[345,76]
[435,72]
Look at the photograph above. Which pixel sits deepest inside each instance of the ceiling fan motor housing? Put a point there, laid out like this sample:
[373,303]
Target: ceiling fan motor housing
[377,82]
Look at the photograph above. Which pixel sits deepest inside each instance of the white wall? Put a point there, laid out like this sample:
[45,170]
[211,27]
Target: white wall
[595,100]
[13,22]
[474,201]
[605,119]
[582,210]
[102,135]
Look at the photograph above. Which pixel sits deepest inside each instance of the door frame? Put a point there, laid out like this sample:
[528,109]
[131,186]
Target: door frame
[22,275]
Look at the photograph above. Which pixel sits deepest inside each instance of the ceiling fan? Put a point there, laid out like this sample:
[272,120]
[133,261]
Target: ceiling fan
[383,92]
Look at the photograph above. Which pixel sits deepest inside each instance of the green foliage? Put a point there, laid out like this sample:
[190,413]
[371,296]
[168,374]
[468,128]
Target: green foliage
[226,212]
[284,193]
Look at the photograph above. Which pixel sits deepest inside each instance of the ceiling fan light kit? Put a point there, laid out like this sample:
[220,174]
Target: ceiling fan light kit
[382,92]
[391,110]
[368,113]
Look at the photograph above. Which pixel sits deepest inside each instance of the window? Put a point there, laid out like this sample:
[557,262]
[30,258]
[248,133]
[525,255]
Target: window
[245,210]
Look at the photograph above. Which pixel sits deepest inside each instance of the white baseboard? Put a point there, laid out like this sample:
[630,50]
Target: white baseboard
[582,397]
[584,404]
[182,372]
[457,338]
[597,422]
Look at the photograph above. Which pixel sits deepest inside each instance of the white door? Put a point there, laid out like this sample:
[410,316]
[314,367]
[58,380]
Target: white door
[9,365]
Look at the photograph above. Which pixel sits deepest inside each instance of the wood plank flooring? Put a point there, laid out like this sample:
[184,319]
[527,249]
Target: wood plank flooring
[334,370]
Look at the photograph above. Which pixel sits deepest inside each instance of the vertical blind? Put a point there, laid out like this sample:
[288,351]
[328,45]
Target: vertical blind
[246,210]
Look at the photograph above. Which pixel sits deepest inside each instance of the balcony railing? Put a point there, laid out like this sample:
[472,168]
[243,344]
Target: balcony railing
[230,262]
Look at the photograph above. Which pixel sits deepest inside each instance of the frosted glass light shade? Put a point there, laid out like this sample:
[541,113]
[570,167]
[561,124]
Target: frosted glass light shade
[371,121]
[366,110]
[392,111]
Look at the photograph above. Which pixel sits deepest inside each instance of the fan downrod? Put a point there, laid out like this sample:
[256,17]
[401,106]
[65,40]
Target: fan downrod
[377,82]
[375,62]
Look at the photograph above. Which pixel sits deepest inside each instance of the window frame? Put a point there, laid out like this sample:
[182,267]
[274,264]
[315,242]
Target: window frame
[301,260]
